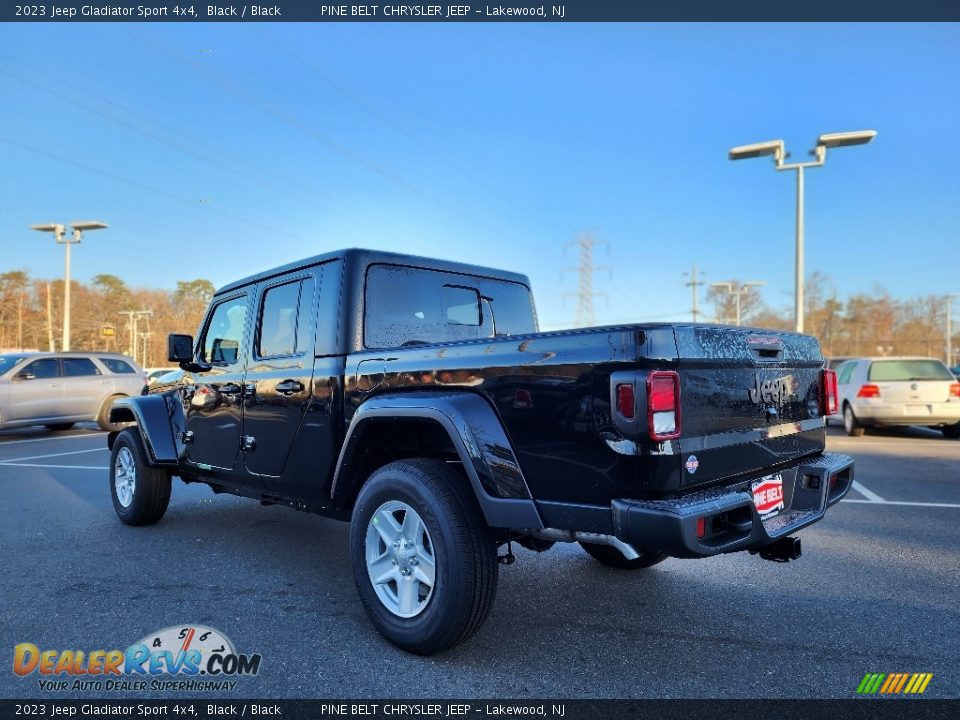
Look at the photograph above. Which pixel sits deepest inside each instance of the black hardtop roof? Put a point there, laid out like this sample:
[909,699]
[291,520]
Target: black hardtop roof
[359,256]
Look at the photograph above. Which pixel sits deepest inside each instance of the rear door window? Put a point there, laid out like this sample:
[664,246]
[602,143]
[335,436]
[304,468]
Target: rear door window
[909,370]
[846,372]
[285,319]
[79,367]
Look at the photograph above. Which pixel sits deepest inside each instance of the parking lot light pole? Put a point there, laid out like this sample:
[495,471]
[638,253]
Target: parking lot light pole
[775,148]
[950,330]
[744,289]
[58,233]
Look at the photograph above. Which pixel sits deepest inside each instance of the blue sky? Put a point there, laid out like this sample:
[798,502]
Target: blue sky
[216,150]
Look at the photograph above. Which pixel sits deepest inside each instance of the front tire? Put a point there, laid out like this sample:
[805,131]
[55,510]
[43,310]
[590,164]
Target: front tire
[424,559]
[951,432]
[850,423]
[611,557]
[140,492]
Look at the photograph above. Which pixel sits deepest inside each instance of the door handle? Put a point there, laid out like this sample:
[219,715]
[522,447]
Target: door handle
[229,389]
[289,387]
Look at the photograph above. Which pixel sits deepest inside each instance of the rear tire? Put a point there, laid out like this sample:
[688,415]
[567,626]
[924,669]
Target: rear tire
[951,432]
[140,493]
[850,422]
[59,427]
[430,505]
[611,557]
[103,419]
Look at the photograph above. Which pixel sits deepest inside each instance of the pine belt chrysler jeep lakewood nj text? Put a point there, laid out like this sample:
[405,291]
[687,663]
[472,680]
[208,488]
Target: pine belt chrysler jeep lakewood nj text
[415,398]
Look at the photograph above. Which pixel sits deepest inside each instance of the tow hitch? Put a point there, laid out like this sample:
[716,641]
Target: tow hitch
[783,550]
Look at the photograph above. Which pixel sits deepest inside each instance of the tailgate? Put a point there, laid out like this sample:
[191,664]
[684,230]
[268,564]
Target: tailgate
[750,401]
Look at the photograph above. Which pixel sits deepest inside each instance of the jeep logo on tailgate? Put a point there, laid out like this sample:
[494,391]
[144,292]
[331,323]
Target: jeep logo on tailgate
[775,392]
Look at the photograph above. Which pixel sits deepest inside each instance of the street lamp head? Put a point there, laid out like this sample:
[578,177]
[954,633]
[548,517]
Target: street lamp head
[844,139]
[87,225]
[771,147]
[56,228]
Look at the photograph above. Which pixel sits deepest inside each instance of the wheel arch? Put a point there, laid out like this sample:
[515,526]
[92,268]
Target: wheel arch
[152,417]
[461,427]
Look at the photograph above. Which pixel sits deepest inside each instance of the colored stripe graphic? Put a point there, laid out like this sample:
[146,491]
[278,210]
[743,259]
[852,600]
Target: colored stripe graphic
[894,683]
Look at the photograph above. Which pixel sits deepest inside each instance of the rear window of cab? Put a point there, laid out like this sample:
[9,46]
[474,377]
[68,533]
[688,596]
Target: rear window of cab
[406,306]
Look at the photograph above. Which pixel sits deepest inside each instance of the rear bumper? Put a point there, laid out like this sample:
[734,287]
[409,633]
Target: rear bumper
[730,520]
[878,413]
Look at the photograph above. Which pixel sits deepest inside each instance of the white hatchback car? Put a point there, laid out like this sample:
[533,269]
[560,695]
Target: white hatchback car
[898,391]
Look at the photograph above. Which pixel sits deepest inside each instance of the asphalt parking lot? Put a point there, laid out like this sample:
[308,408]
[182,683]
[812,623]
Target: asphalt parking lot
[876,591]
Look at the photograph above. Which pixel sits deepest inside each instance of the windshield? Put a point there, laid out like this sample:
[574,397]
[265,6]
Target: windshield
[8,361]
[882,370]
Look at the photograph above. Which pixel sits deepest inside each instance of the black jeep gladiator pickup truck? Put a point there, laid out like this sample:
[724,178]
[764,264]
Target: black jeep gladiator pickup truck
[417,399]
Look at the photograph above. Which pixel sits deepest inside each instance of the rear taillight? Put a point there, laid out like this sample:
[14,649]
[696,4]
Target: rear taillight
[955,390]
[625,400]
[869,391]
[663,405]
[831,400]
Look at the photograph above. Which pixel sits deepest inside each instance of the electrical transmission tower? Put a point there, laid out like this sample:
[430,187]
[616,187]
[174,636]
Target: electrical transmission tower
[585,270]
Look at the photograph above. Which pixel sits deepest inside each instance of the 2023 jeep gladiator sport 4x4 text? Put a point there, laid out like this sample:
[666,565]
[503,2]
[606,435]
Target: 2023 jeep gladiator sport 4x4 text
[416,399]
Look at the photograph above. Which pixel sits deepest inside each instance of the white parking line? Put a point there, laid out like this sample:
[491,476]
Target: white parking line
[902,502]
[63,467]
[49,439]
[868,494]
[44,457]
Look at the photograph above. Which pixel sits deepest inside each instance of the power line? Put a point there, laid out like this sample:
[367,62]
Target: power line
[271,109]
[257,178]
[156,191]
[389,122]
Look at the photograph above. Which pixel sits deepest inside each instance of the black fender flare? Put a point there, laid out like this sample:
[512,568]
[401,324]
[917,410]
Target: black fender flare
[477,434]
[152,415]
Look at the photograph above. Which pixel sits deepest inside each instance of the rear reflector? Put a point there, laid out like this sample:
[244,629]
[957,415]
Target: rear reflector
[869,391]
[663,405]
[831,400]
[522,400]
[955,390]
[625,400]
[701,527]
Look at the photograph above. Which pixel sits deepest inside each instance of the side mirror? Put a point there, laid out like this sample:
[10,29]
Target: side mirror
[25,375]
[179,348]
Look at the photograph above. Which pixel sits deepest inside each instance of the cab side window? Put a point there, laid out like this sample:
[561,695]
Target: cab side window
[224,333]
[285,322]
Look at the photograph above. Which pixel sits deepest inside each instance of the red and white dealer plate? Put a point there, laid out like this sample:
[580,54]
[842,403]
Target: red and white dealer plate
[768,495]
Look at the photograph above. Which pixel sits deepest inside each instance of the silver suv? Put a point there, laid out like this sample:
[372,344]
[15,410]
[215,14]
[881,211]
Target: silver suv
[61,389]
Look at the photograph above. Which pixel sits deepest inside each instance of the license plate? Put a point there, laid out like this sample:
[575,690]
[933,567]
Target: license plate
[768,495]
